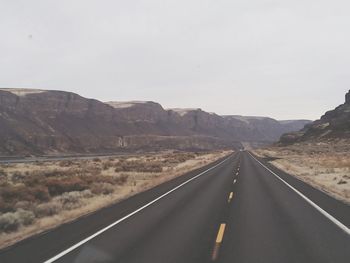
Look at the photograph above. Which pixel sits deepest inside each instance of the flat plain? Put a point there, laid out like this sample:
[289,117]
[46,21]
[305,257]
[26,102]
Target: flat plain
[39,196]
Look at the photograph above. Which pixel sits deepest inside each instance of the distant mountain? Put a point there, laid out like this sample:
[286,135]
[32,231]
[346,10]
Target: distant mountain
[266,129]
[333,124]
[54,122]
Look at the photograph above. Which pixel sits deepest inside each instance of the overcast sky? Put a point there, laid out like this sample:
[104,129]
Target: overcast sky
[285,59]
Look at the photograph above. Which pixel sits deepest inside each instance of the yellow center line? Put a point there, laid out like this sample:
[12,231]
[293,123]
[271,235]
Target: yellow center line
[218,241]
[221,232]
[230,197]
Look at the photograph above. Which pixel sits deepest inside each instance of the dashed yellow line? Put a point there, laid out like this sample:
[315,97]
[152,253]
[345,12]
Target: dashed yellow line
[218,241]
[221,232]
[230,197]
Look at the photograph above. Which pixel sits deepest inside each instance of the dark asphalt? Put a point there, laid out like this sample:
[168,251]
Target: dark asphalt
[266,221]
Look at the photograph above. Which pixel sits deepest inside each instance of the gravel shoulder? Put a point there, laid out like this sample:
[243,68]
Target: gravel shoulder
[324,165]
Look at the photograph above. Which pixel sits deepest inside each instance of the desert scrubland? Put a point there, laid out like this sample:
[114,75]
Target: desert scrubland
[35,197]
[324,165]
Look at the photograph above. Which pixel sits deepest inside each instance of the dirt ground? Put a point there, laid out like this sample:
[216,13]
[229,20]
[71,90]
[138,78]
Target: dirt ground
[35,197]
[324,165]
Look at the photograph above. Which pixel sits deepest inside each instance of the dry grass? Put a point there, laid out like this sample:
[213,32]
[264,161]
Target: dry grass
[38,196]
[324,165]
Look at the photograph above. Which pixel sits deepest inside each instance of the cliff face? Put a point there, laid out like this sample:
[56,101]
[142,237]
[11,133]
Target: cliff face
[333,124]
[53,121]
[263,129]
[46,122]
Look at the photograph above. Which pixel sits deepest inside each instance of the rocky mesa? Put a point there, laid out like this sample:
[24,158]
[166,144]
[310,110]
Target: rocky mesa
[334,124]
[37,122]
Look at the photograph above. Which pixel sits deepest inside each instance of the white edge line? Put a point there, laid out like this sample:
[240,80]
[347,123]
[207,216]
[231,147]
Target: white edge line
[326,214]
[129,215]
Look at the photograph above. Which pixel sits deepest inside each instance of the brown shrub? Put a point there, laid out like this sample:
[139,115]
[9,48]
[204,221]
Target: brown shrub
[102,188]
[25,217]
[5,206]
[62,185]
[12,194]
[99,179]
[107,165]
[341,181]
[65,163]
[139,166]
[47,209]
[38,177]
[55,173]
[33,180]
[17,176]
[24,205]
[177,158]
[72,200]
[2,173]
[184,157]
[92,170]
[84,170]
[11,221]
[41,193]
[153,168]
[122,179]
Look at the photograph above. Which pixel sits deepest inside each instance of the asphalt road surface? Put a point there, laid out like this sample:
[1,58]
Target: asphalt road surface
[239,209]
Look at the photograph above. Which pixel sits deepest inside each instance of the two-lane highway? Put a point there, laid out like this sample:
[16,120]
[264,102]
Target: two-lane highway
[270,222]
[235,210]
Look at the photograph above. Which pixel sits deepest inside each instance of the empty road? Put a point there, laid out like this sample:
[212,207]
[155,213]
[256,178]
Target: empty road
[239,209]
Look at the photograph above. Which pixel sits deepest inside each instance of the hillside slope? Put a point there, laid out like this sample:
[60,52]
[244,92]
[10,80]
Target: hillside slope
[265,129]
[334,124]
[53,122]
[319,154]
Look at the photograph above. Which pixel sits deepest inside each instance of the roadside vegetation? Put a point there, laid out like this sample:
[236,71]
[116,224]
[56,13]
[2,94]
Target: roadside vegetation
[38,196]
[324,165]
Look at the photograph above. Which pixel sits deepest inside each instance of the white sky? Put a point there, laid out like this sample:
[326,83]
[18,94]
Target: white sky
[284,59]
